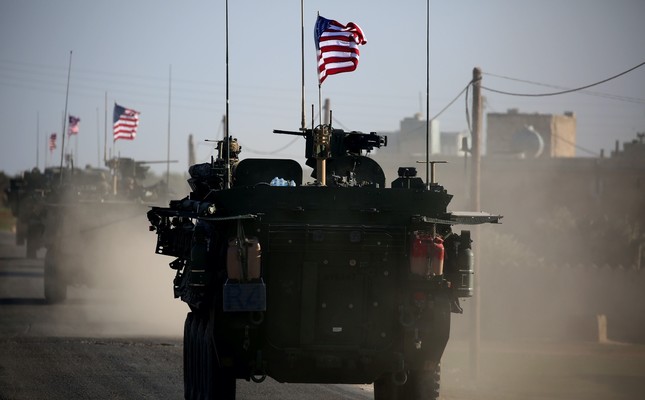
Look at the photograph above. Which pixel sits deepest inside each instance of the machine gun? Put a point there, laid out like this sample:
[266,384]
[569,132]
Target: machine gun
[340,142]
[324,142]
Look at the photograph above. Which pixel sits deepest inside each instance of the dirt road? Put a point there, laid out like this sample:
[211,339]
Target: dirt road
[125,343]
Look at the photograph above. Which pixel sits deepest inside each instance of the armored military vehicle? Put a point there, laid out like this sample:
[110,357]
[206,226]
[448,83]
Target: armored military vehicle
[25,197]
[85,225]
[346,279]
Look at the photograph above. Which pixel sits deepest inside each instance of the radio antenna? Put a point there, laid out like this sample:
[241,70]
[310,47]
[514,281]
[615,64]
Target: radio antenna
[428,180]
[302,64]
[226,134]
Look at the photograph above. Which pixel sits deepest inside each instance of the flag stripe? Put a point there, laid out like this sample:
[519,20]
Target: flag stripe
[52,142]
[336,47]
[126,122]
[73,125]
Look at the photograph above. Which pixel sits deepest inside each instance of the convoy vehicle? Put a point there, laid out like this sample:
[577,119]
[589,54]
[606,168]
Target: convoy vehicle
[346,278]
[86,221]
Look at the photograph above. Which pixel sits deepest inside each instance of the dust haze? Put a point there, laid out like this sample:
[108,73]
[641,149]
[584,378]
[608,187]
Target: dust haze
[126,289]
[563,262]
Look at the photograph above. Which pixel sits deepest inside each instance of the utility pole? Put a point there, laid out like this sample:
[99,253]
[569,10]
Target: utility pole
[475,325]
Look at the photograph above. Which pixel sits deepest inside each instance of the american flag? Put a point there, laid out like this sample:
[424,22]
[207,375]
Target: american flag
[336,47]
[126,122]
[52,142]
[73,125]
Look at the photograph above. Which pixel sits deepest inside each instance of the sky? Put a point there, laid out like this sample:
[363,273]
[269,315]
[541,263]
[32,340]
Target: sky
[167,60]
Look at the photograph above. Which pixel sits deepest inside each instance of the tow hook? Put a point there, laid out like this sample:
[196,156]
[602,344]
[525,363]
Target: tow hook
[400,378]
[258,374]
[406,317]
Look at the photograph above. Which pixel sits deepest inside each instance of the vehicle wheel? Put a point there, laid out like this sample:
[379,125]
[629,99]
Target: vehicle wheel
[54,285]
[188,371]
[192,360]
[385,388]
[210,361]
[200,375]
[221,380]
[204,379]
[420,385]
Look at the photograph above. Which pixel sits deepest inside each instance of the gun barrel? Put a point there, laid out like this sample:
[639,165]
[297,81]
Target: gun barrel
[298,133]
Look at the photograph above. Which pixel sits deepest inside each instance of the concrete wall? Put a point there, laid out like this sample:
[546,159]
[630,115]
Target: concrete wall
[557,131]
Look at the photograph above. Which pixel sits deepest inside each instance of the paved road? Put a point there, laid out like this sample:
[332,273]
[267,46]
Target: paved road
[125,343]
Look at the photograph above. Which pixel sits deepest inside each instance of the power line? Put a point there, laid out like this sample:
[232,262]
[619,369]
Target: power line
[593,153]
[269,153]
[564,91]
[598,94]
[453,100]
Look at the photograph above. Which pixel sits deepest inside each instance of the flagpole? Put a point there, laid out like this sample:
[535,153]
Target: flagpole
[62,150]
[114,166]
[105,132]
[319,88]
[37,139]
[98,139]
[226,134]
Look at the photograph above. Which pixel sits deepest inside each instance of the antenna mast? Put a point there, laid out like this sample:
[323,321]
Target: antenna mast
[428,94]
[226,134]
[62,150]
[302,63]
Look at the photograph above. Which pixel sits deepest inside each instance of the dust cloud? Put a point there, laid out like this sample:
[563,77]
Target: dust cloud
[132,286]
[565,252]
[563,261]
[121,288]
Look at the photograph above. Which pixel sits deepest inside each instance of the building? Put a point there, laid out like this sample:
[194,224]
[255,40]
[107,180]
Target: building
[411,137]
[534,135]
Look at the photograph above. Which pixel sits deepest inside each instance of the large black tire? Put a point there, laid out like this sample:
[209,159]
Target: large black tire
[420,385]
[204,379]
[188,370]
[385,388]
[55,287]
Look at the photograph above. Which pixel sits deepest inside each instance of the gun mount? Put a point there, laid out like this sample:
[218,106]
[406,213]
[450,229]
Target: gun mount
[339,158]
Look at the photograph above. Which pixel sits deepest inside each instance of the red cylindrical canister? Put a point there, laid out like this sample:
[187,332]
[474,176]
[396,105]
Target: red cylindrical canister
[234,260]
[436,251]
[253,258]
[419,255]
[244,263]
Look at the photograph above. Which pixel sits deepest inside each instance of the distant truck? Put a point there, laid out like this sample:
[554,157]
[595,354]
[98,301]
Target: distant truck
[84,205]
[342,280]
[25,196]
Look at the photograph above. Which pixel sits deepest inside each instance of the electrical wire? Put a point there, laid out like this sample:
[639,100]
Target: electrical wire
[598,94]
[593,153]
[270,153]
[564,91]
[453,100]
